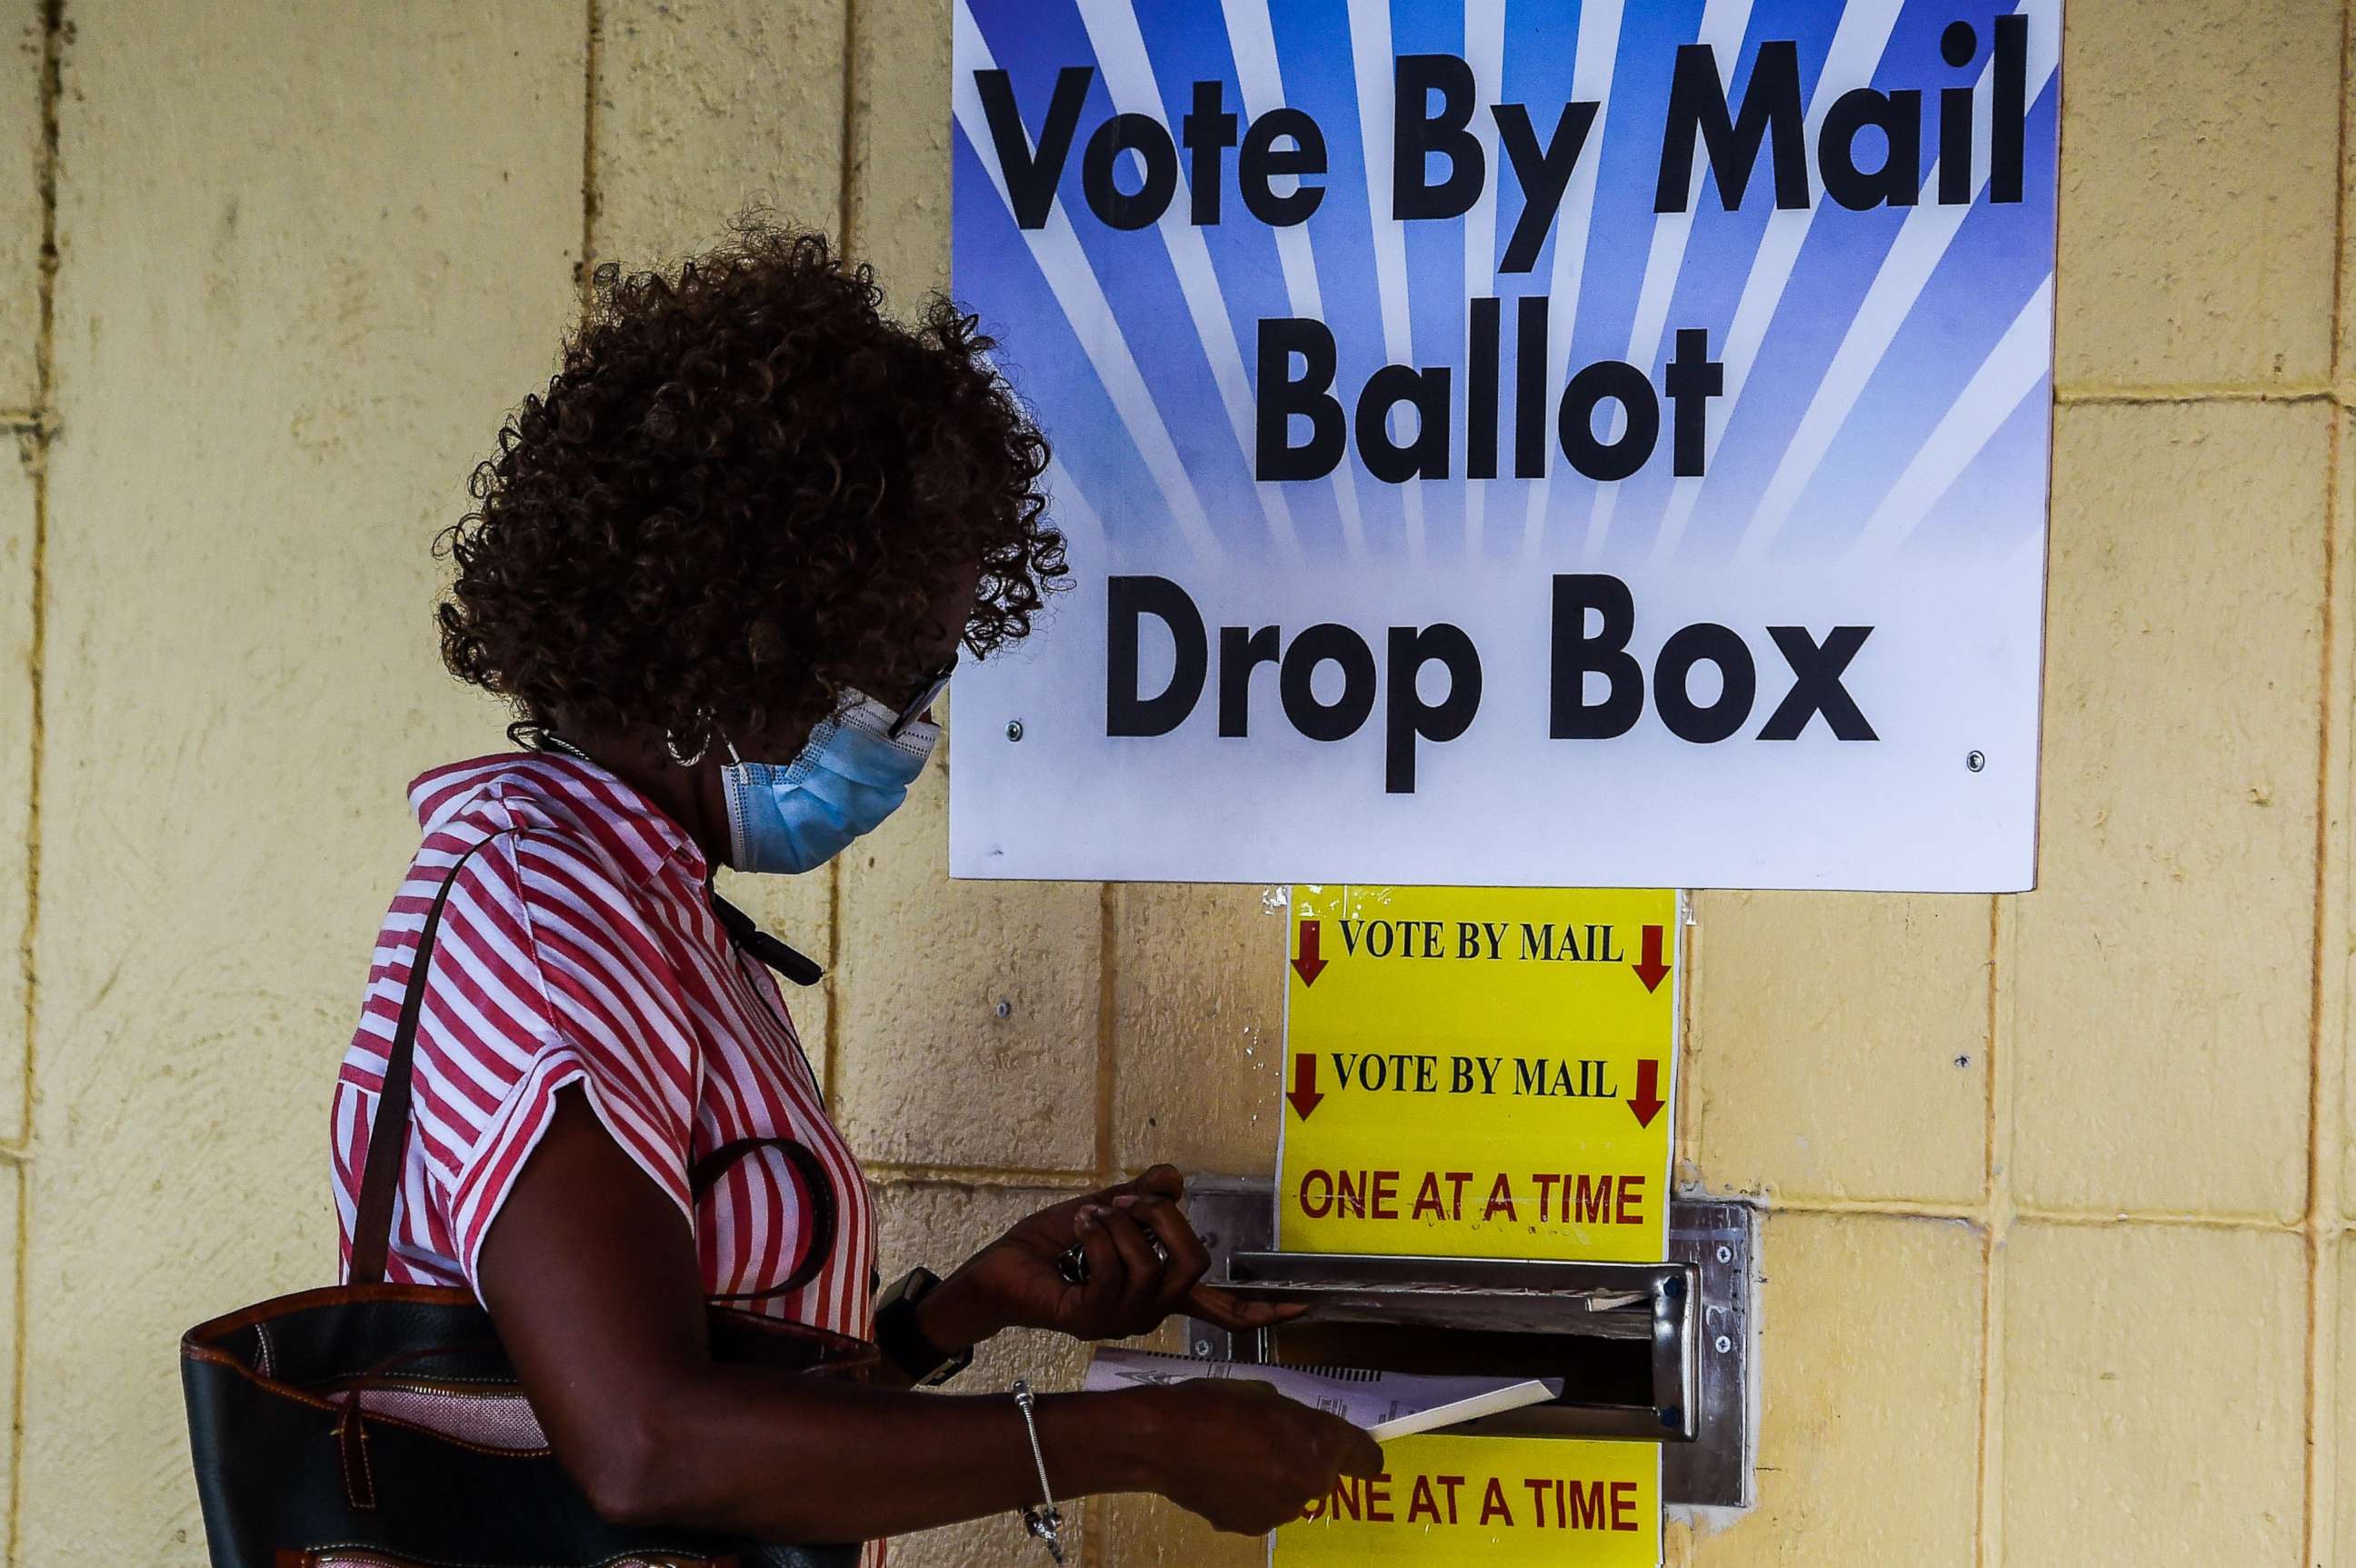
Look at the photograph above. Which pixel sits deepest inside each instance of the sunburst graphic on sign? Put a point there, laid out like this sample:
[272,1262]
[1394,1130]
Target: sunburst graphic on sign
[1908,353]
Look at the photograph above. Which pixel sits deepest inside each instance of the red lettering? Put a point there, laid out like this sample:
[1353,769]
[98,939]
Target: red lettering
[1378,1496]
[1594,1200]
[1623,1505]
[1353,1200]
[1448,1484]
[1538,1487]
[1422,1503]
[1546,1193]
[1586,1505]
[1347,1497]
[1500,1199]
[1321,1183]
[1492,1503]
[1427,1199]
[1456,1199]
[1386,1194]
[1631,1210]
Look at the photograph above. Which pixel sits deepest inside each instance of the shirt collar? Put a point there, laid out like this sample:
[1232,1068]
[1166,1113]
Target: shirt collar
[550,788]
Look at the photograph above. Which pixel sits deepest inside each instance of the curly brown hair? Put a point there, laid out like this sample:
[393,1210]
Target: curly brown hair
[742,491]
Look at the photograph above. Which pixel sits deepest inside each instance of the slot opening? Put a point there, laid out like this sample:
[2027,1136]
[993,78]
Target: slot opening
[1594,1371]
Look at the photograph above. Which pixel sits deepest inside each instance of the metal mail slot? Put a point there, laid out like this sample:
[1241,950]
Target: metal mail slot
[1655,1352]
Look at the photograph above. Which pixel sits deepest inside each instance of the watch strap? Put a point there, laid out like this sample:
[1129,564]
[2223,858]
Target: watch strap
[903,1340]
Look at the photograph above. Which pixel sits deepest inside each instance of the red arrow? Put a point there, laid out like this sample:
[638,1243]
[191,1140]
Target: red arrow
[1303,1092]
[1309,964]
[1646,1102]
[1650,968]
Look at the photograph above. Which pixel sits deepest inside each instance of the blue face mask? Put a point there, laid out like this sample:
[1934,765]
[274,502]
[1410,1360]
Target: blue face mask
[851,775]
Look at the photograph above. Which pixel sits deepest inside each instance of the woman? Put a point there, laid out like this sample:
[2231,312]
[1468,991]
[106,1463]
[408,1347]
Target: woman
[721,569]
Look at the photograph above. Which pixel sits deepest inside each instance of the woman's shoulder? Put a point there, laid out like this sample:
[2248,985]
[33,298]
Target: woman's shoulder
[566,827]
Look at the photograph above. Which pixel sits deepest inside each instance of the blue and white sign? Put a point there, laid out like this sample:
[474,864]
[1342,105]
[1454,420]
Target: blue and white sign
[1518,442]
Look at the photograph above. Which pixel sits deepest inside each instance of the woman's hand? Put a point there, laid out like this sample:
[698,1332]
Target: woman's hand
[1247,1458]
[1144,1261]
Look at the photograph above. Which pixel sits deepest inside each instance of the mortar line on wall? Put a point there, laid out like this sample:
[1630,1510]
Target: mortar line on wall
[2202,391]
[591,21]
[1985,1526]
[1884,1207]
[830,1033]
[1688,1153]
[2339,197]
[44,399]
[2322,1339]
[1988,1055]
[2324,1072]
[2008,1212]
[2013,1212]
[2327,1068]
[905,1173]
[2003,931]
[847,187]
[1108,1014]
[1989,1520]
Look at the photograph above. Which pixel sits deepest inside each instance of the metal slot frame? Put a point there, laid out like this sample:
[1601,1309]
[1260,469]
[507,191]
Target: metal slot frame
[1602,1300]
[1695,1308]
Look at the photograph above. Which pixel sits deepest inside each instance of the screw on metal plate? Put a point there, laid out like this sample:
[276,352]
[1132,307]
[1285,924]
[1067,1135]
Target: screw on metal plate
[1014,729]
[1202,1347]
[1725,1254]
[1724,1344]
[1975,760]
[1005,1008]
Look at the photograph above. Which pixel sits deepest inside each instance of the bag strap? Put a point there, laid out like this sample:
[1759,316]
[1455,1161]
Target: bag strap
[389,1132]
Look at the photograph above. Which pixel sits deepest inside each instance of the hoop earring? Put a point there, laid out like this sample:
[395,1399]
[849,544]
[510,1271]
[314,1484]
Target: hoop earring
[670,745]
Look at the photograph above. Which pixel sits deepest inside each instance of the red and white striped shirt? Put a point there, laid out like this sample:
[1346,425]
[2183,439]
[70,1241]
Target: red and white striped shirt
[579,949]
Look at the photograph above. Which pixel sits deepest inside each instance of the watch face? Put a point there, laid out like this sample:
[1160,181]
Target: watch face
[909,1288]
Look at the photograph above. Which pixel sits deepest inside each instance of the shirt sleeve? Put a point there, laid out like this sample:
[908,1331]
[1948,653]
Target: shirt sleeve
[546,973]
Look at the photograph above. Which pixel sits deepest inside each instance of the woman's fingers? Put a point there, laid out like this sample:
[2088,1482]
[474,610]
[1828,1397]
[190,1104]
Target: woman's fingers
[1154,1181]
[1363,1456]
[1185,1259]
[1133,1309]
[1144,1261]
[1105,1277]
[1236,1314]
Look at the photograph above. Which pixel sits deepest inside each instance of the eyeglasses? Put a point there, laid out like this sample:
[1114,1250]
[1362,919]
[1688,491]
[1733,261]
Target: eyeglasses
[925,694]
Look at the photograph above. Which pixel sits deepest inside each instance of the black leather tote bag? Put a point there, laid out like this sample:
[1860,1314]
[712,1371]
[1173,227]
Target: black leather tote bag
[377,1425]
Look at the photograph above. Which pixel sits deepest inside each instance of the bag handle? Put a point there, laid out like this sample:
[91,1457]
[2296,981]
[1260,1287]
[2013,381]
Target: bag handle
[389,1132]
[820,1186]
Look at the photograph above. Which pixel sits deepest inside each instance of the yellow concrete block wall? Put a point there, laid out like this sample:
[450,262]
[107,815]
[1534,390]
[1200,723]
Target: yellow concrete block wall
[2058,1188]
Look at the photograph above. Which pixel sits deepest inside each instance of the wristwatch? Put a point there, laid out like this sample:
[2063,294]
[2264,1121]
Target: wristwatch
[904,1343]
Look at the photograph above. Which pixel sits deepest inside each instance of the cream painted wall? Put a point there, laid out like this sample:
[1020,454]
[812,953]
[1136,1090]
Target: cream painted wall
[2059,1187]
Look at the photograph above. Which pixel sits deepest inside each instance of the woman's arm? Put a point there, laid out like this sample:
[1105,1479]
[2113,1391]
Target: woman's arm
[591,1277]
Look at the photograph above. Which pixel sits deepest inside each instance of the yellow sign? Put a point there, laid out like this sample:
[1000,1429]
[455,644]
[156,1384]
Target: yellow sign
[1548,1502]
[1479,1072]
